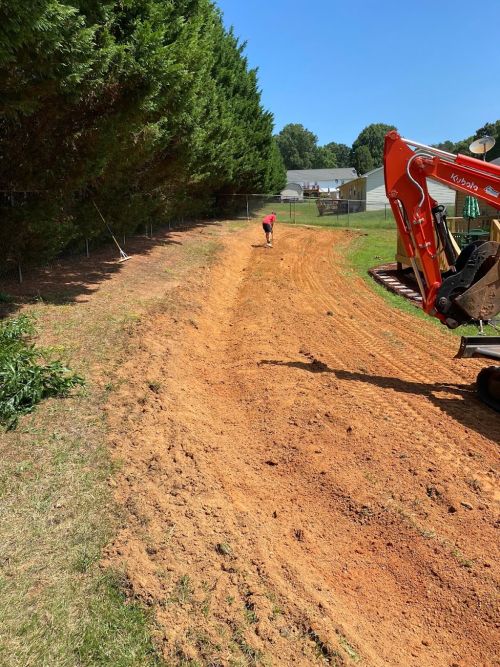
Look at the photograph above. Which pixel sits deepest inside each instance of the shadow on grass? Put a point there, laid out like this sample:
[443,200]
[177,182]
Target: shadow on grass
[70,279]
[466,408]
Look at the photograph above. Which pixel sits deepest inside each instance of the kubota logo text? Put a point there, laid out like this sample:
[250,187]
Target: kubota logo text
[460,180]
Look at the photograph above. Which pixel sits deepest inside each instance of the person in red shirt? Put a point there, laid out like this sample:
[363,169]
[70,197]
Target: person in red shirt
[268,225]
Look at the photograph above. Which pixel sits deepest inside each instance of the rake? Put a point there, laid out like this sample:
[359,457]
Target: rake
[123,255]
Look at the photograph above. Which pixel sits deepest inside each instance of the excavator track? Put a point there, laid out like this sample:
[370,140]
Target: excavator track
[488,380]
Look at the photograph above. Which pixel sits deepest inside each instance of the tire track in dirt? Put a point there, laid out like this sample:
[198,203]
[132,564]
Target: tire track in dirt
[309,256]
[364,340]
[299,490]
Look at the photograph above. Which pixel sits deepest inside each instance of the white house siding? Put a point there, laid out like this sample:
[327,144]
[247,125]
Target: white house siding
[375,190]
[441,193]
[376,197]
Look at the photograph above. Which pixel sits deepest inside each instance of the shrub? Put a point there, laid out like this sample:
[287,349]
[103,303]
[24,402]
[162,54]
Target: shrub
[28,374]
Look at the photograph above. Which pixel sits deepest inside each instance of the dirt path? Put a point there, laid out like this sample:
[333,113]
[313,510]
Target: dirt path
[306,477]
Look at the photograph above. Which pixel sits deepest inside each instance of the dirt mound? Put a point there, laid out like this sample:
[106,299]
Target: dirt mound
[307,476]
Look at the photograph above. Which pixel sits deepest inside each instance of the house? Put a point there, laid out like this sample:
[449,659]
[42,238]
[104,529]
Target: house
[486,210]
[292,192]
[314,181]
[370,188]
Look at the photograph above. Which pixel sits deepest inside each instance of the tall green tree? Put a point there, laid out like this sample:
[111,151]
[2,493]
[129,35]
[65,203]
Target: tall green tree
[324,158]
[298,146]
[362,160]
[342,153]
[147,106]
[372,137]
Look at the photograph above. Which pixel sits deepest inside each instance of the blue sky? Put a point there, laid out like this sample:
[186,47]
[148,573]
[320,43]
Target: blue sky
[432,68]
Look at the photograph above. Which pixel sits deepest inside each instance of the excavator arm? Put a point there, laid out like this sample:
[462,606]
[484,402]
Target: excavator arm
[470,289]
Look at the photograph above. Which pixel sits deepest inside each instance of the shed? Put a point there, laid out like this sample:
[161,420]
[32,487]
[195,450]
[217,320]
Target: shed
[292,192]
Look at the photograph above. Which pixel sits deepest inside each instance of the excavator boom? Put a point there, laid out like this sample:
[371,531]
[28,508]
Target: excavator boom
[470,289]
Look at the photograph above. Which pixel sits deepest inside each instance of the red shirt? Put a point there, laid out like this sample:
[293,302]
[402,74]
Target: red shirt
[269,219]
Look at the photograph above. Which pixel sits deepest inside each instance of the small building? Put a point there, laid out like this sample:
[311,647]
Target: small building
[292,192]
[316,181]
[370,188]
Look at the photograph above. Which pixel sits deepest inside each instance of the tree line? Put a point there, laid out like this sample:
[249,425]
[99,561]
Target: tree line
[147,107]
[462,146]
[300,150]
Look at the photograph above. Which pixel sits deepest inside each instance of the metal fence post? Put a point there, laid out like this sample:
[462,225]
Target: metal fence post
[385,211]
[248,210]
[348,214]
[87,248]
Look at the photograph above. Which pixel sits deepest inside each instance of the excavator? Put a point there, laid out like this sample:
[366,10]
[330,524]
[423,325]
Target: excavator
[468,290]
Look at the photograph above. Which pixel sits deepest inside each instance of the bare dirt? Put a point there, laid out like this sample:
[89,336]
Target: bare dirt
[306,475]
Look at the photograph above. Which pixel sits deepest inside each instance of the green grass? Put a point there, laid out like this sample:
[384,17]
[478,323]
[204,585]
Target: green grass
[377,247]
[306,213]
[58,606]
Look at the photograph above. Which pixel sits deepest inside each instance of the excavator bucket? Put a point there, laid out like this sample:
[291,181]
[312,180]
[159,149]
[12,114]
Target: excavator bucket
[483,347]
[482,300]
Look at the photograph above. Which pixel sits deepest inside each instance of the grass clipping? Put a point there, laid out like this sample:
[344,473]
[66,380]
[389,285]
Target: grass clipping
[28,374]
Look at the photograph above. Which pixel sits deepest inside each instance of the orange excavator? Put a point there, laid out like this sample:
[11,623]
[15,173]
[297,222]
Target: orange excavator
[468,291]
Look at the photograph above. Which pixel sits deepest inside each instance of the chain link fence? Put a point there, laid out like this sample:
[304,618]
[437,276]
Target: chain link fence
[322,211]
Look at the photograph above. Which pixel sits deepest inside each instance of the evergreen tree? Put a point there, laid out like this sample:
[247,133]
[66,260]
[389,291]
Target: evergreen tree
[147,106]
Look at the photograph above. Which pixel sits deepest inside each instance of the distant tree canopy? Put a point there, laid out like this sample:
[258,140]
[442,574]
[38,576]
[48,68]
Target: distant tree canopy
[372,139]
[462,146]
[298,146]
[147,106]
[299,149]
[363,160]
[342,153]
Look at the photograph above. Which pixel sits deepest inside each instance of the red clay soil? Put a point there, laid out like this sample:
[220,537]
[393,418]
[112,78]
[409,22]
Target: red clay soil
[307,477]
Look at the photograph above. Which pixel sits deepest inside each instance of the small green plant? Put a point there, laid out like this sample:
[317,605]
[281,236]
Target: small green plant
[6,298]
[184,589]
[27,373]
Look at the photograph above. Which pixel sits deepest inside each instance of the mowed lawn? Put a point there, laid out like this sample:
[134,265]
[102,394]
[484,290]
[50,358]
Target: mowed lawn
[306,213]
[58,606]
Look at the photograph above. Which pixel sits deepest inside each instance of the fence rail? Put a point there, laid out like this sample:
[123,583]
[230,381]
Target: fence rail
[316,210]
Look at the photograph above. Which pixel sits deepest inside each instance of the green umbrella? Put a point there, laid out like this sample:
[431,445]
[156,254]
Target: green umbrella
[470,210]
